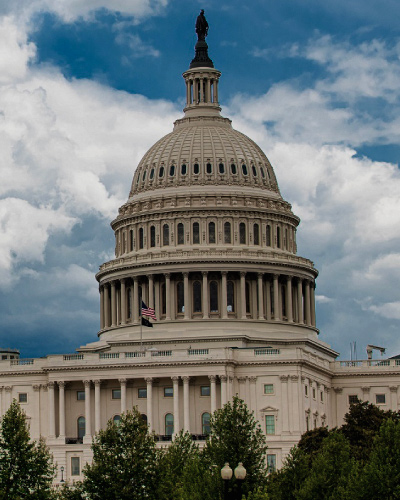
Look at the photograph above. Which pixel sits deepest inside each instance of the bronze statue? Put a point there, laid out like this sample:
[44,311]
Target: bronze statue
[201,26]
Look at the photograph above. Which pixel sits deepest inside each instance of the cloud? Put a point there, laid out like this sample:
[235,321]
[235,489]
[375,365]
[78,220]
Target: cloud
[137,47]
[390,310]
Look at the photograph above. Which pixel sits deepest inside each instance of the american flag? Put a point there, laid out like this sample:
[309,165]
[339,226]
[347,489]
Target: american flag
[148,311]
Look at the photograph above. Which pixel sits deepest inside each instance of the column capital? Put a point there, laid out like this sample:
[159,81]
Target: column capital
[294,378]
[284,378]
[338,390]
[260,275]
[97,382]
[204,273]
[185,379]
[135,278]
[175,378]
[224,273]
[149,380]
[242,380]
[289,277]
[242,274]
[122,280]
[327,390]
[87,383]
[122,381]
[113,283]
[35,387]
[212,378]
[186,274]
[150,276]
[223,378]
[393,388]
[62,383]
[365,389]
[8,388]
[276,276]
[167,275]
[253,380]
[49,384]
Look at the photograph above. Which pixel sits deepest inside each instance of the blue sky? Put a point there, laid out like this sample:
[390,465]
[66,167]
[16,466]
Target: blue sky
[87,87]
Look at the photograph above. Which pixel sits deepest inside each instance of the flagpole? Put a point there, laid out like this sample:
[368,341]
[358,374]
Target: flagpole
[141,325]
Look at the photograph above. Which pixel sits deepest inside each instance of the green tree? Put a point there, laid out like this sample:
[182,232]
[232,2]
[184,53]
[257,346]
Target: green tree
[237,437]
[124,461]
[26,467]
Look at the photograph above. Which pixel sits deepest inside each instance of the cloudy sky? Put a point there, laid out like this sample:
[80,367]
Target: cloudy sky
[86,86]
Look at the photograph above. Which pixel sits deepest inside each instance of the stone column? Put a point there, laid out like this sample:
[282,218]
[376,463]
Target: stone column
[366,391]
[338,391]
[224,390]
[149,382]
[61,408]
[186,296]
[135,305]
[243,295]
[312,299]
[328,407]
[88,417]
[242,388]
[123,301]
[8,398]
[168,297]
[295,409]
[277,315]
[393,397]
[97,405]
[224,301]
[107,321]
[260,296]
[177,427]
[206,313]
[113,305]
[285,403]
[37,431]
[151,290]
[289,304]
[52,417]
[307,303]
[213,392]
[268,296]
[230,388]
[1,401]
[122,381]
[253,393]
[186,414]
[101,307]
[300,301]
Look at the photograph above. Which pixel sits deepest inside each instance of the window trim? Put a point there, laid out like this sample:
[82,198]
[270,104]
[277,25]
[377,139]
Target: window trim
[272,393]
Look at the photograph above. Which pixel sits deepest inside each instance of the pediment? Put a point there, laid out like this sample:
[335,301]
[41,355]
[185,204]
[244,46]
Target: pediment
[268,409]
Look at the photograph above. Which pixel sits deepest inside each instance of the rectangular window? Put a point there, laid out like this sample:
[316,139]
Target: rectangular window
[270,424]
[205,390]
[313,392]
[168,392]
[271,463]
[352,399]
[322,396]
[380,399]
[22,397]
[116,393]
[142,393]
[75,466]
[80,395]
[268,388]
[306,390]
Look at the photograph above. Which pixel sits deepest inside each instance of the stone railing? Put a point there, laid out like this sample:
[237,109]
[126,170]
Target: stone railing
[375,364]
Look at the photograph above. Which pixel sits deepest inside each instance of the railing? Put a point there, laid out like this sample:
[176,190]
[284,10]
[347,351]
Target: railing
[22,361]
[135,354]
[161,353]
[73,357]
[109,355]
[164,437]
[197,352]
[73,440]
[269,351]
[366,363]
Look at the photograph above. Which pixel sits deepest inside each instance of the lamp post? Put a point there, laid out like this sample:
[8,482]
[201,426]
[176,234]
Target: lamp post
[240,474]
[62,474]
[226,474]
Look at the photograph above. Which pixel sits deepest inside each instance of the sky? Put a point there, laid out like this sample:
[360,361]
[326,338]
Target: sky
[87,86]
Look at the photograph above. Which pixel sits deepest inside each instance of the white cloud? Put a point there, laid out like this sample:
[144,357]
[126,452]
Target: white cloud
[390,310]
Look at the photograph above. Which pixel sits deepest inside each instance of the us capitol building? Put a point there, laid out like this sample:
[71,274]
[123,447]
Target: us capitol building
[207,241]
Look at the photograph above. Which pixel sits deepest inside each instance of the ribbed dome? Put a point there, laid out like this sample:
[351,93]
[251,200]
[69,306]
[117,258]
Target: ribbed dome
[202,151]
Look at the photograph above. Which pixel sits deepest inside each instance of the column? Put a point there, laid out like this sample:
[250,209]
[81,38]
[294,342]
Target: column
[123,301]
[289,304]
[393,397]
[88,416]
[242,388]
[186,414]
[230,388]
[61,408]
[295,410]
[277,315]
[122,381]
[97,405]
[177,427]
[243,295]
[260,296]
[149,382]
[1,401]
[224,390]
[338,391]
[168,297]
[113,305]
[101,307]
[206,313]
[312,299]
[186,296]
[187,92]
[213,392]
[36,419]
[157,301]
[151,290]
[285,403]
[52,419]
[106,306]
[300,300]
[224,301]
[307,303]
[253,394]
[268,294]
[135,305]
[328,407]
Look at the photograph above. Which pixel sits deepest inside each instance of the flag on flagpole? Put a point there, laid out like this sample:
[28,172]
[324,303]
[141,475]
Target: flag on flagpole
[148,311]
[146,322]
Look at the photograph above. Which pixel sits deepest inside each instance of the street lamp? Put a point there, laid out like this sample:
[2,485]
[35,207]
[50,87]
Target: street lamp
[226,474]
[62,474]
[240,474]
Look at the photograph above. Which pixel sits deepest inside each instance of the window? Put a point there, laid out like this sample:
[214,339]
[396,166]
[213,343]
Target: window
[80,395]
[131,242]
[152,236]
[205,423]
[268,388]
[227,233]
[205,390]
[253,168]
[256,234]
[142,393]
[306,390]
[144,418]
[165,235]
[168,392]
[262,172]
[180,297]
[209,168]
[75,466]
[214,296]
[181,235]
[196,233]
[271,463]
[116,393]
[152,173]
[22,397]
[313,392]
[230,292]
[242,233]
[244,169]
[322,396]
[221,168]
[196,168]
[161,173]
[233,169]
[278,237]
[183,169]
[247,291]
[353,399]
[211,232]
[117,419]
[169,424]
[268,236]
[141,240]
[308,423]
[81,427]
[197,297]
[144,176]
[380,399]
[270,424]
[172,170]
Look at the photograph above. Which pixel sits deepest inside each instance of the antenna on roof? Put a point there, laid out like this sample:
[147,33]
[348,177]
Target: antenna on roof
[370,348]
[353,351]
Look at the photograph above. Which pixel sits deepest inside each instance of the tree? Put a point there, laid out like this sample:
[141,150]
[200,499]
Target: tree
[26,467]
[124,461]
[237,437]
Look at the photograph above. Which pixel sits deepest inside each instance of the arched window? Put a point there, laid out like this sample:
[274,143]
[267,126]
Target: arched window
[262,172]
[152,173]
[144,418]
[144,176]
[165,235]
[256,234]
[242,233]
[180,297]
[117,419]
[81,427]
[141,239]
[205,423]
[286,240]
[172,170]
[254,170]
[183,169]
[221,168]
[181,235]
[169,424]
[196,233]
[197,296]
[163,299]
[152,236]
[244,169]
[278,237]
[131,241]
[230,291]
[214,296]
[129,299]
[268,235]
[211,232]
[227,233]
[233,169]
[247,297]
[209,168]
[196,169]
[161,173]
